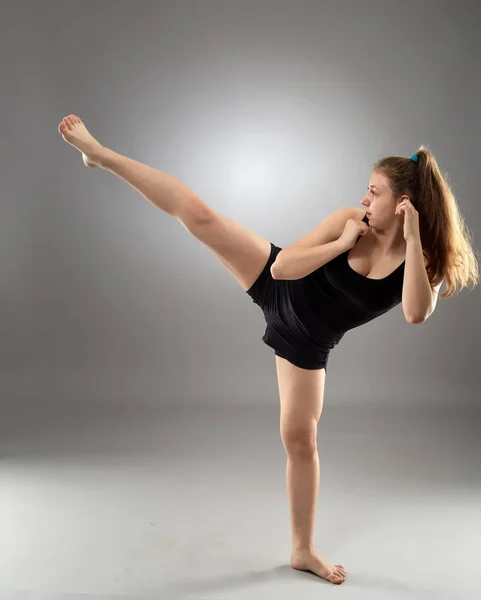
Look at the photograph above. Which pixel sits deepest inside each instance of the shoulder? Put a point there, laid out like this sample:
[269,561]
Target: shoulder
[354,212]
[343,214]
[361,213]
[330,228]
[348,212]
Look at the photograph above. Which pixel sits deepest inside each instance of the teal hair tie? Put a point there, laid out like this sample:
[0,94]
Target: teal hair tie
[414,158]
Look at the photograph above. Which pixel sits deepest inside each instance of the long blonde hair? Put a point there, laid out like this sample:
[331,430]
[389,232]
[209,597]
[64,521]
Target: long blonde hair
[445,238]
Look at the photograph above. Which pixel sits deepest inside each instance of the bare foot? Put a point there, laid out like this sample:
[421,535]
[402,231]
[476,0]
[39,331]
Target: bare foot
[309,560]
[76,134]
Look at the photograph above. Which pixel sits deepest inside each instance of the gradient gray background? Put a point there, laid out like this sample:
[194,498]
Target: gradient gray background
[125,342]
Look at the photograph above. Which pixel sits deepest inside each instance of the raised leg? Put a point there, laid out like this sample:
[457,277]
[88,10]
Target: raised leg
[243,252]
[301,393]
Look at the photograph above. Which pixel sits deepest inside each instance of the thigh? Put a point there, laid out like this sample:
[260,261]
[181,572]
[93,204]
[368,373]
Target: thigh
[242,251]
[301,394]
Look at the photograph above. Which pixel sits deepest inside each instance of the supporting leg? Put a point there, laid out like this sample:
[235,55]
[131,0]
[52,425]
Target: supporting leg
[301,393]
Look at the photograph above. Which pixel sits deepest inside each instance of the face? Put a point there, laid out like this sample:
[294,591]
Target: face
[380,202]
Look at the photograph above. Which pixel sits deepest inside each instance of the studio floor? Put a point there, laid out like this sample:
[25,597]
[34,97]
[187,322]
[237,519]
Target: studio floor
[190,503]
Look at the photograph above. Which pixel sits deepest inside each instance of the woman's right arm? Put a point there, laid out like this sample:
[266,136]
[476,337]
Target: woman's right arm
[316,248]
[299,261]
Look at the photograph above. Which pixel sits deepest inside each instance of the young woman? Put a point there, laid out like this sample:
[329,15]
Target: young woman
[356,265]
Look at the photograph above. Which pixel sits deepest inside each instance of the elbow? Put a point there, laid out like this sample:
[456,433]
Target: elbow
[415,320]
[278,271]
[275,267]
[275,271]
[416,317]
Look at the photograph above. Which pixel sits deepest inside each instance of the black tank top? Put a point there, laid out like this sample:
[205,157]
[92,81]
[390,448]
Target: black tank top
[345,299]
[307,317]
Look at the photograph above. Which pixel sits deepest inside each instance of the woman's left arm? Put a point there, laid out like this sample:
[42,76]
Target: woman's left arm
[418,297]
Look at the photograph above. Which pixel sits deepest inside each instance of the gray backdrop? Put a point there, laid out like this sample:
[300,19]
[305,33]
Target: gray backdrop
[274,112]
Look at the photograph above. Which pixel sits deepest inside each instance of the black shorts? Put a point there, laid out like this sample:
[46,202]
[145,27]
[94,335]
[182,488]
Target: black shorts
[284,333]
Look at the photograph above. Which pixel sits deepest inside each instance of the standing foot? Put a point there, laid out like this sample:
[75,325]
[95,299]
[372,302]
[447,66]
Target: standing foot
[309,560]
[77,135]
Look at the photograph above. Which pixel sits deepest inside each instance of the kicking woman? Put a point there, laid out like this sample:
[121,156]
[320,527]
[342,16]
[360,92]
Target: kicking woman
[354,266]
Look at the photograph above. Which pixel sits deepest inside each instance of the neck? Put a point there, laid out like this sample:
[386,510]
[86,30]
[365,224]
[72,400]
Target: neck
[390,239]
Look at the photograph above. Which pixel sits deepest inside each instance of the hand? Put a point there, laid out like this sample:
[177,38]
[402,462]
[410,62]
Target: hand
[411,220]
[352,230]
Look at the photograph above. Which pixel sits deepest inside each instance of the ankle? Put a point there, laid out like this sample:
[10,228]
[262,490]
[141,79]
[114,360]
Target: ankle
[104,156]
[302,548]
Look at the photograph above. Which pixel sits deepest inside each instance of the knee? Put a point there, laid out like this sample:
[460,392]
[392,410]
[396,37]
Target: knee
[199,212]
[300,441]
